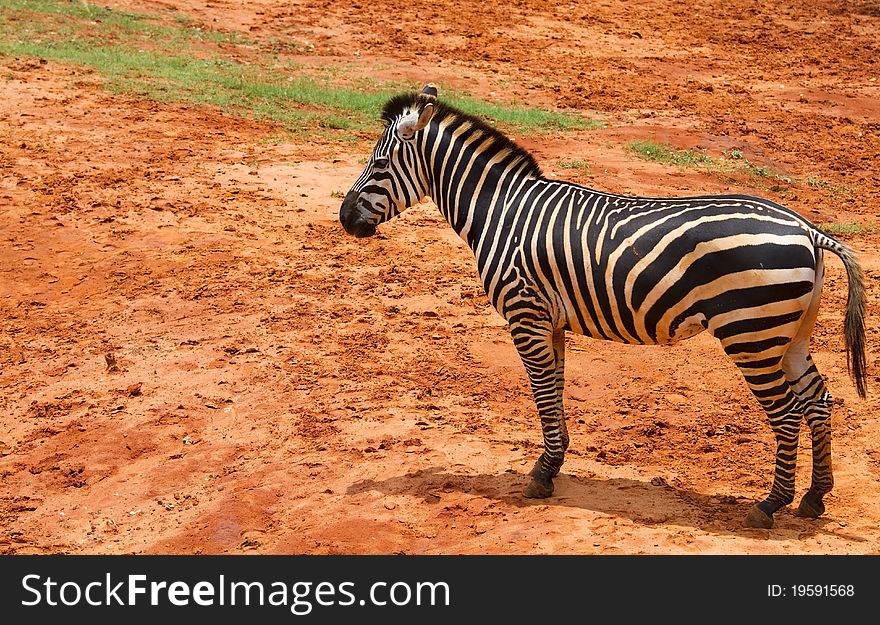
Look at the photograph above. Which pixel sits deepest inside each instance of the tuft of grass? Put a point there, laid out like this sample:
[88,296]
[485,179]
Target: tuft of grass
[581,167]
[762,171]
[845,229]
[835,190]
[664,153]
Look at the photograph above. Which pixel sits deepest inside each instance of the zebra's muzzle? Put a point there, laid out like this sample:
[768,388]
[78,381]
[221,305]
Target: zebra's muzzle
[353,220]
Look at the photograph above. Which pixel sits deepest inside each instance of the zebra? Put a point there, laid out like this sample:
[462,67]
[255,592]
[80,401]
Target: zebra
[555,256]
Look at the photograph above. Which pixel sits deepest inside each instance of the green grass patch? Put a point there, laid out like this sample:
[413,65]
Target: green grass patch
[834,190]
[761,171]
[581,167]
[523,119]
[83,20]
[172,60]
[764,177]
[666,154]
[845,229]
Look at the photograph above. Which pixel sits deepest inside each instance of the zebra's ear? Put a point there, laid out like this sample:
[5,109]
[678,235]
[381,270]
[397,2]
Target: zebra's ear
[414,122]
[429,91]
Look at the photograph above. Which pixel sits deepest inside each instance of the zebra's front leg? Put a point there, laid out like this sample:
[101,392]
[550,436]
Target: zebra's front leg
[543,354]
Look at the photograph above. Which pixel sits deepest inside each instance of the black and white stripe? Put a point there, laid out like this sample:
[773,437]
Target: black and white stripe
[555,256]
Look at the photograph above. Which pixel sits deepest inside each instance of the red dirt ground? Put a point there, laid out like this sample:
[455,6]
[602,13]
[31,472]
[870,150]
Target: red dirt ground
[279,387]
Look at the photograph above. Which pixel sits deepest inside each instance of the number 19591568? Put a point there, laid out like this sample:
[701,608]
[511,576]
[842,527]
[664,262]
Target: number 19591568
[811,590]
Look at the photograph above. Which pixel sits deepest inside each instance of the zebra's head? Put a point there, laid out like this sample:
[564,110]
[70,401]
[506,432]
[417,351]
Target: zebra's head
[393,179]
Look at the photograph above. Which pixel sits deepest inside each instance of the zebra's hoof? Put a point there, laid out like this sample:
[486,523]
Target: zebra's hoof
[538,488]
[758,518]
[811,506]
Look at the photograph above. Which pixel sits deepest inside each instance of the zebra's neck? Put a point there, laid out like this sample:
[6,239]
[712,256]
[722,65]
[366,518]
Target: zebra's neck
[472,169]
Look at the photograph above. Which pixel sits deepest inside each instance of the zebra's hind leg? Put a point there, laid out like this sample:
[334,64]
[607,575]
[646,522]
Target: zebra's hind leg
[809,386]
[818,415]
[807,383]
[768,383]
[542,351]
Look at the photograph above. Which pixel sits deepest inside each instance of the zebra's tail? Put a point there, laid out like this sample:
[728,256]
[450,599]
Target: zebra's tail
[854,321]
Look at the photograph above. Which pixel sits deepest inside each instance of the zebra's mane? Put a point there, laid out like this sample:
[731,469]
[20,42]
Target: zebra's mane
[401,104]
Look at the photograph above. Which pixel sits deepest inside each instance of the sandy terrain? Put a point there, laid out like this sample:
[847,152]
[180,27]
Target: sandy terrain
[195,358]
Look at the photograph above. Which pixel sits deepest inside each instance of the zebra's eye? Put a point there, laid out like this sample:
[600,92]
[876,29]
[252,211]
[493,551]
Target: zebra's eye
[381,163]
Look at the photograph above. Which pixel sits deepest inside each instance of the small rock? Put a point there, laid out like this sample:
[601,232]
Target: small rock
[675,398]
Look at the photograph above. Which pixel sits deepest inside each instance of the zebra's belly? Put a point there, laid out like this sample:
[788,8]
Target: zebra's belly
[685,329]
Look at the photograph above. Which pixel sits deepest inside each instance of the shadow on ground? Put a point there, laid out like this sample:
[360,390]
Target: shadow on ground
[648,503]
